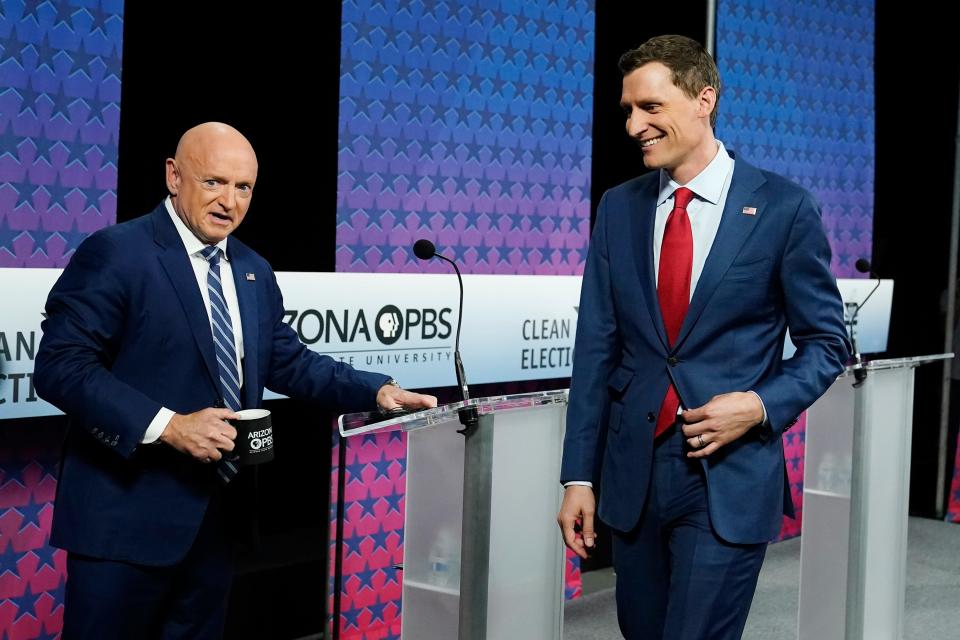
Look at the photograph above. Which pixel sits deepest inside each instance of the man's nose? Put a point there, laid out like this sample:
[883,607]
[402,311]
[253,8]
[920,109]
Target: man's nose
[228,198]
[636,124]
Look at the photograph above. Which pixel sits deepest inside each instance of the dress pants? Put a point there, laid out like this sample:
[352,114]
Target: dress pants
[107,600]
[676,579]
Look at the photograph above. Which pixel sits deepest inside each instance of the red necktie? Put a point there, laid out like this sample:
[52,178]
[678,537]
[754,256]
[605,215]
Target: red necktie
[673,287]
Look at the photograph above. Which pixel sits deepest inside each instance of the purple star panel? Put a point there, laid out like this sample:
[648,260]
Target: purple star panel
[59,126]
[374,489]
[953,509]
[467,123]
[32,574]
[794,448]
[375,484]
[798,99]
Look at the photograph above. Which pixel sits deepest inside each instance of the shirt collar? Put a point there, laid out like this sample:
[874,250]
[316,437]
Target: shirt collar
[707,185]
[192,244]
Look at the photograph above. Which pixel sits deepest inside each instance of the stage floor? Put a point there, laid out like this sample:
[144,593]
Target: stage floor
[932,598]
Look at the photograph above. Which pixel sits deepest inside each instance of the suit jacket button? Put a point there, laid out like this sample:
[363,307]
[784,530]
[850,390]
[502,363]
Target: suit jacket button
[651,417]
[673,361]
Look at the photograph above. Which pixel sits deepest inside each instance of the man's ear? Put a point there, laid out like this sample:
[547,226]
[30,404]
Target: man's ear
[707,101]
[173,176]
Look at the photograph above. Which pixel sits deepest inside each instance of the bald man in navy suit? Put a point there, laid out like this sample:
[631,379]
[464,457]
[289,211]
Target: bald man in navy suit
[156,332]
[679,392]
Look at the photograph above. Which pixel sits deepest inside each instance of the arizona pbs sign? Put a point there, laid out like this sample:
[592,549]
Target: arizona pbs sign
[514,327]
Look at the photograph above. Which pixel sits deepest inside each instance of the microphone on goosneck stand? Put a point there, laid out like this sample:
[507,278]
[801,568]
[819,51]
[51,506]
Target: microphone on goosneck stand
[859,370]
[425,250]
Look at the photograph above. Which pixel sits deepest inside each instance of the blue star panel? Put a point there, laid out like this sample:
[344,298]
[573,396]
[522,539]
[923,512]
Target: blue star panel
[59,126]
[469,123]
[798,99]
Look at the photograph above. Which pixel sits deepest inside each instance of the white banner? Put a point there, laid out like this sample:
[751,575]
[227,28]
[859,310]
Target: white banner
[404,325]
[23,292]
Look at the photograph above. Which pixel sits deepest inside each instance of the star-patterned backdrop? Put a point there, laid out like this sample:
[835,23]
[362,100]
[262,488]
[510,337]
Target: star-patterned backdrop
[798,99]
[953,506]
[466,122]
[59,127]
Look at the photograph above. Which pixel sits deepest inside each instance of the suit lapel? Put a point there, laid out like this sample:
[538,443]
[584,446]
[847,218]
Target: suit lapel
[735,228]
[249,318]
[176,263]
[641,223]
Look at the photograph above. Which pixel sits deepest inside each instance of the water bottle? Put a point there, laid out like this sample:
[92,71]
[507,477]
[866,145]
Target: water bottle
[443,561]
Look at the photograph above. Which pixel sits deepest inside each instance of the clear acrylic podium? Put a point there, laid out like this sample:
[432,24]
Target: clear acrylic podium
[855,500]
[483,557]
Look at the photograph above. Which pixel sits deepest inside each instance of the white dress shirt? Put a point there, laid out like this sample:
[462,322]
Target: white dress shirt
[201,267]
[710,188]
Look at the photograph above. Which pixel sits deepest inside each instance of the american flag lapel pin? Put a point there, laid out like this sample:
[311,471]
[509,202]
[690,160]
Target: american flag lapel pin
[251,277]
[749,211]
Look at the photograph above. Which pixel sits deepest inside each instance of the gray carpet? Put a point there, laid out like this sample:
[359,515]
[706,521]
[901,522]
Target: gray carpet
[932,598]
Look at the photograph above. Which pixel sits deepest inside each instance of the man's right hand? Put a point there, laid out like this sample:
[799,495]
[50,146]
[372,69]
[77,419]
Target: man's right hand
[201,435]
[578,504]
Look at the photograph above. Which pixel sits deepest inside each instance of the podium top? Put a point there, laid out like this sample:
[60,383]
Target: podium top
[898,363]
[353,424]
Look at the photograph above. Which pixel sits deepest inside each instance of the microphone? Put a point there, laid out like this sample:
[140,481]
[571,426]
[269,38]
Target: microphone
[425,250]
[859,371]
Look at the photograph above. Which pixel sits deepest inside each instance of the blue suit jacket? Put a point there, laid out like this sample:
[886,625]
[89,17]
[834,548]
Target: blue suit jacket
[765,273]
[126,334]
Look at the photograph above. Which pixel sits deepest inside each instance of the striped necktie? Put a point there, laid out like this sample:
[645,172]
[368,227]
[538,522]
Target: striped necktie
[225,348]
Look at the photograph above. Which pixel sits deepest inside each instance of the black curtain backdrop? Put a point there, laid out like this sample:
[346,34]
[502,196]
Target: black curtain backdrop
[273,72]
[917,71]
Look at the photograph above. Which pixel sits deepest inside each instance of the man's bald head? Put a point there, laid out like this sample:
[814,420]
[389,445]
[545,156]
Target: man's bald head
[212,135]
[211,179]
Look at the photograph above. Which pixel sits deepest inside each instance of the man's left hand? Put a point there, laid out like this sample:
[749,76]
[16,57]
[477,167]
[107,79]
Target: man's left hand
[721,421]
[391,396]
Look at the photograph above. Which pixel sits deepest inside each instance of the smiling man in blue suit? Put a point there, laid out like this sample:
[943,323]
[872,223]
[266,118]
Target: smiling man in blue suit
[157,332]
[679,393]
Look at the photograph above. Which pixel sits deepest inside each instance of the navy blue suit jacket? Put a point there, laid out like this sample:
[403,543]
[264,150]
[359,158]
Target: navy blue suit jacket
[765,273]
[126,334]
